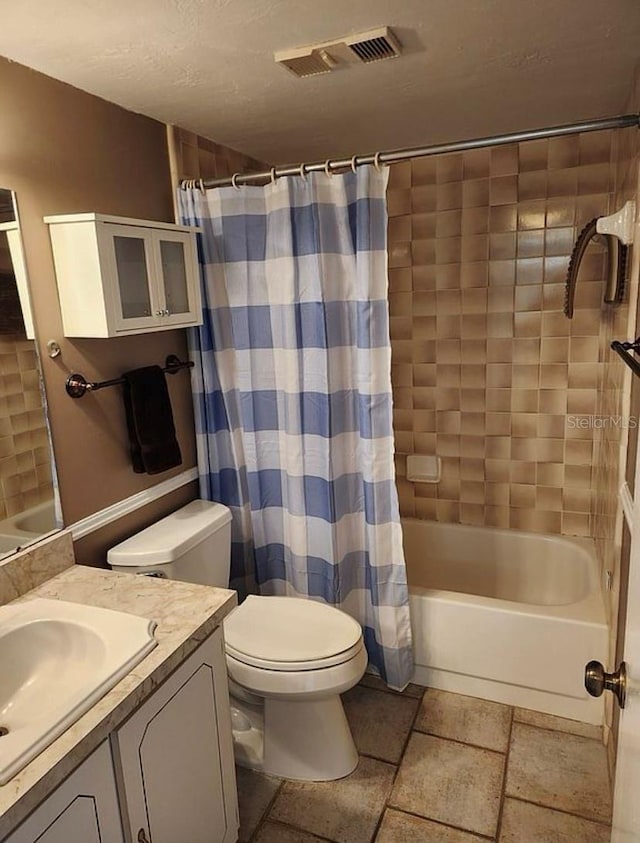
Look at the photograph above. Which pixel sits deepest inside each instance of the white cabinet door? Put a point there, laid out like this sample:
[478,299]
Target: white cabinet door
[177,277]
[176,756]
[83,808]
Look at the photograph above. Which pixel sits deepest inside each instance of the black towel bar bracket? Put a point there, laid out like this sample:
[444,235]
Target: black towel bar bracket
[77,385]
[624,349]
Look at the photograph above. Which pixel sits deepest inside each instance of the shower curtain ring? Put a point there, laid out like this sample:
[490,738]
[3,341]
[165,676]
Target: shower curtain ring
[201,186]
[354,163]
[273,175]
[376,162]
[234,180]
[327,167]
[303,172]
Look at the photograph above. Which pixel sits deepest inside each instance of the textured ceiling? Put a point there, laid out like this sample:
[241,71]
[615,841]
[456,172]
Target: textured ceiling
[470,68]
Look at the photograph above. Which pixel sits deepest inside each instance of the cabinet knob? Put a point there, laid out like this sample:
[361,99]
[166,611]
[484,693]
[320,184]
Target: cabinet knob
[142,837]
[159,312]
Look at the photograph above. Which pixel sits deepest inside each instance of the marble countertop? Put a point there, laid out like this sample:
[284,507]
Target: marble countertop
[186,614]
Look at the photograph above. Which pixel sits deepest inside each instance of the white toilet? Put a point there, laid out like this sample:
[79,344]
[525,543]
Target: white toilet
[288,658]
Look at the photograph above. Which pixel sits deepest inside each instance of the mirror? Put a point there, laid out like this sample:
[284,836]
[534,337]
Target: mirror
[29,506]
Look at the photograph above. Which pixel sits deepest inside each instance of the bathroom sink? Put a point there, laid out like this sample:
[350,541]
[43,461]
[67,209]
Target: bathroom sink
[56,660]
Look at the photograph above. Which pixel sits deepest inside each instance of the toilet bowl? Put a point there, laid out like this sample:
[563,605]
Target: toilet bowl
[293,658]
[288,658]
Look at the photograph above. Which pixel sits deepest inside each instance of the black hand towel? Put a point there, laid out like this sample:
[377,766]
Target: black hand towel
[152,435]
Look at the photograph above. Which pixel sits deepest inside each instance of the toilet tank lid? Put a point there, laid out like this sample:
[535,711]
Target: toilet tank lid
[166,540]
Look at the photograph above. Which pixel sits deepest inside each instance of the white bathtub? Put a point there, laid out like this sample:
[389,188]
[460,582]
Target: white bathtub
[26,527]
[506,615]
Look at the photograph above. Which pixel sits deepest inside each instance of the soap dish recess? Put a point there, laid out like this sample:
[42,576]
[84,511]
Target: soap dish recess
[424,469]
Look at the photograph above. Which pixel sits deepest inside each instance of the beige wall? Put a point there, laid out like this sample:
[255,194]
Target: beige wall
[65,151]
[486,368]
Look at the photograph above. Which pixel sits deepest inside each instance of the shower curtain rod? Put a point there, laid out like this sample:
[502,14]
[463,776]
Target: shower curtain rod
[394,155]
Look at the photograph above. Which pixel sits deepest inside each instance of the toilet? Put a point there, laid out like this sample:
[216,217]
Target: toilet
[288,658]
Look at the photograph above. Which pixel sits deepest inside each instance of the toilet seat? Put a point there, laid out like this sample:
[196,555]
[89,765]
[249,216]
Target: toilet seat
[291,634]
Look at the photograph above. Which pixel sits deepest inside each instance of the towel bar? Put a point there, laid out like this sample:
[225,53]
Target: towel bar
[624,349]
[77,385]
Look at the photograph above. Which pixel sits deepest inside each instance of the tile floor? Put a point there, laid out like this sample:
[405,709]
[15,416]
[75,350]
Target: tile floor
[442,768]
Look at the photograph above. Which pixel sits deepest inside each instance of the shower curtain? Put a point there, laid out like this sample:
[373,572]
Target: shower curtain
[292,396]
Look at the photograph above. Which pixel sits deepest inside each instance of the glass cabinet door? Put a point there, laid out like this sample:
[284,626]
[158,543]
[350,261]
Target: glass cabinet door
[178,277]
[174,274]
[135,304]
[133,276]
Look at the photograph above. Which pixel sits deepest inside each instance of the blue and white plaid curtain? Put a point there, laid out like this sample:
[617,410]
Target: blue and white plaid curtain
[292,396]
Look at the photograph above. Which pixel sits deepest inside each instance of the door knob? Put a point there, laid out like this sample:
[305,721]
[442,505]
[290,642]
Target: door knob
[596,681]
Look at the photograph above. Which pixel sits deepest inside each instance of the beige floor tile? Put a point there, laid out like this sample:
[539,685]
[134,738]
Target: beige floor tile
[465,719]
[557,724]
[404,828]
[277,833]
[450,782]
[345,811]
[255,793]
[380,722]
[524,823]
[559,770]
[371,681]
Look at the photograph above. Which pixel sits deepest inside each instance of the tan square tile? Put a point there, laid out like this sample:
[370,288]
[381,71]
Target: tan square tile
[345,811]
[532,185]
[423,170]
[504,160]
[557,724]
[450,782]
[475,193]
[476,163]
[423,226]
[531,214]
[398,827]
[277,833]
[559,770]
[465,719]
[449,224]
[400,174]
[380,722]
[475,220]
[255,794]
[524,823]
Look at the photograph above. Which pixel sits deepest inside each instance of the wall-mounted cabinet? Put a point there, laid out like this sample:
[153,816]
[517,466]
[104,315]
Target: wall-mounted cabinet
[119,276]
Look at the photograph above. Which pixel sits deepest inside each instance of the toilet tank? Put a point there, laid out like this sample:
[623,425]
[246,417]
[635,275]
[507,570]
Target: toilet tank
[192,544]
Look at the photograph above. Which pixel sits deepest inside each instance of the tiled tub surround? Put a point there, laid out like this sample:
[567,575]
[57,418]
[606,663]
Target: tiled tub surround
[437,767]
[186,614]
[486,369]
[25,461]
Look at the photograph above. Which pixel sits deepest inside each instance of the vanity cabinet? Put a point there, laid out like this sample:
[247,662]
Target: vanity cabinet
[175,756]
[172,761]
[119,276]
[83,808]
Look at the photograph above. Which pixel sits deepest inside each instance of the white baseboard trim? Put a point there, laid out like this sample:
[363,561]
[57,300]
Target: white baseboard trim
[121,508]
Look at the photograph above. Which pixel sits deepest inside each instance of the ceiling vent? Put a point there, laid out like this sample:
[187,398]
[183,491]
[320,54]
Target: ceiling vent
[365,47]
[375,45]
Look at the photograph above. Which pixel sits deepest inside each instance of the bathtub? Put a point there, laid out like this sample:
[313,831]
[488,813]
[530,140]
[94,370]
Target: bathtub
[26,527]
[506,615]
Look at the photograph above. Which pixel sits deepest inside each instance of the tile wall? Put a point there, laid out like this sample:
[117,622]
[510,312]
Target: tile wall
[195,157]
[487,371]
[25,465]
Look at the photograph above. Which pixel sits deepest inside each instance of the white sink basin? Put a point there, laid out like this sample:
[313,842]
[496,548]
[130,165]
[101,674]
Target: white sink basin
[56,660]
